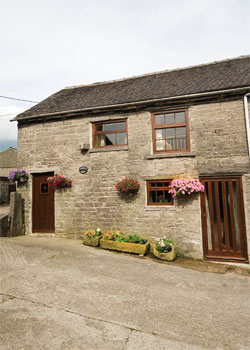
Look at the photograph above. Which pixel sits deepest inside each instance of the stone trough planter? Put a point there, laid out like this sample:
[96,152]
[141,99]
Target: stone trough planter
[134,248]
[93,242]
[170,256]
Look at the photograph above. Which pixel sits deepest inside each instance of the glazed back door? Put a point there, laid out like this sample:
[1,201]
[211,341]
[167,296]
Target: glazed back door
[43,204]
[223,221]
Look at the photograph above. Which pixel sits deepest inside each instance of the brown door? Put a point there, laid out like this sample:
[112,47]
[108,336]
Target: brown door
[43,204]
[223,220]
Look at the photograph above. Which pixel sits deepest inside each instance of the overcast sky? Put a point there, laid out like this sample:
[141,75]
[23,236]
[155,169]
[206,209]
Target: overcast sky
[49,44]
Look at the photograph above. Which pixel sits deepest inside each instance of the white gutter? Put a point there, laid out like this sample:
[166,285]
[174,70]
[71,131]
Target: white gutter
[133,103]
[247,120]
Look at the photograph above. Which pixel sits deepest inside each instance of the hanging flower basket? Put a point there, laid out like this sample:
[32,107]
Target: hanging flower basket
[183,186]
[59,181]
[18,175]
[128,186]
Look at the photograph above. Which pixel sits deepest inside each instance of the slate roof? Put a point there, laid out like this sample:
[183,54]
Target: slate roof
[222,75]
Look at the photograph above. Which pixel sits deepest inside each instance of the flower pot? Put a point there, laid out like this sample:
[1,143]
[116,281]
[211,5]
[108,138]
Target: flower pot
[170,256]
[134,248]
[93,242]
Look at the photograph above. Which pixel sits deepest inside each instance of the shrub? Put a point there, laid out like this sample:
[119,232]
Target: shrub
[181,187]
[128,186]
[59,181]
[19,175]
[121,237]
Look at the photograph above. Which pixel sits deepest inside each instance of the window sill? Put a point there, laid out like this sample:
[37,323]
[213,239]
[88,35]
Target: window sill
[171,155]
[160,208]
[108,149]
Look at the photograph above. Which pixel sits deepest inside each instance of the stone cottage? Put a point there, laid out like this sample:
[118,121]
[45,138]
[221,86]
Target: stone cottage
[189,122]
[8,161]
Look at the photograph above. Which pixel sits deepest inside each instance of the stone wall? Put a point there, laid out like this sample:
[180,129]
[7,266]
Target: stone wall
[4,190]
[218,146]
[8,161]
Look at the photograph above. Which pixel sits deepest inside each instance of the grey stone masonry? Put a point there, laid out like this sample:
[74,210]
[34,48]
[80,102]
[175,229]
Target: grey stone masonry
[218,146]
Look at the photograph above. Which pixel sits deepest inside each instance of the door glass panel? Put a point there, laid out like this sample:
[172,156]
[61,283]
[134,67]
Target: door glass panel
[44,188]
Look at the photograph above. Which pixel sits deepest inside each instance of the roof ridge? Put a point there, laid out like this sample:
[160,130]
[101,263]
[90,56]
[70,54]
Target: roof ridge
[155,73]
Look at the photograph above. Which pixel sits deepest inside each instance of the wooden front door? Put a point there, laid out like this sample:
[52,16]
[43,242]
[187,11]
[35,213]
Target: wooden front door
[223,220]
[43,204]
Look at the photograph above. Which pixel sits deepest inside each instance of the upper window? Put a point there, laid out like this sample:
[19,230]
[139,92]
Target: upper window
[111,133]
[157,193]
[170,131]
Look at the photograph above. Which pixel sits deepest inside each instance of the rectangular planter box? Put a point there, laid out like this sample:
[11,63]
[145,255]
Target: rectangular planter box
[170,256]
[125,246]
[93,242]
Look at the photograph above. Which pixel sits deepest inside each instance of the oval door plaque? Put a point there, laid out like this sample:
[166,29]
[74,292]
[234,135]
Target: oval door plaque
[83,169]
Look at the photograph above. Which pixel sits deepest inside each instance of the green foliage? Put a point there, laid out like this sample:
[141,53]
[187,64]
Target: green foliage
[248,271]
[164,245]
[181,254]
[121,237]
[93,233]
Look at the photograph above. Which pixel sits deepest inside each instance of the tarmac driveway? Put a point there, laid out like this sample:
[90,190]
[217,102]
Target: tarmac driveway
[59,294]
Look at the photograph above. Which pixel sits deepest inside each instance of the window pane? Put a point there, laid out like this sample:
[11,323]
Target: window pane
[170,132]
[169,118]
[180,117]
[159,184]
[152,197]
[160,145]
[121,138]
[99,141]
[110,139]
[159,119]
[120,126]
[108,127]
[160,133]
[99,127]
[181,131]
[160,197]
[167,197]
[170,144]
[181,138]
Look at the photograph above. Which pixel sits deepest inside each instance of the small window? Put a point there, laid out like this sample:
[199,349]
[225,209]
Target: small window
[170,132]
[44,188]
[157,193]
[112,133]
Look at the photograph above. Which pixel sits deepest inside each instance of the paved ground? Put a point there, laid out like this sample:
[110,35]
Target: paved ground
[59,294]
